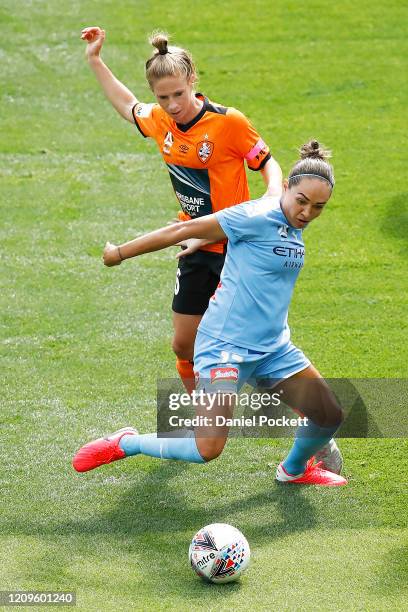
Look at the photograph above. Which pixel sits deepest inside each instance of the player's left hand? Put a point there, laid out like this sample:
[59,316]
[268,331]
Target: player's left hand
[191,246]
[111,256]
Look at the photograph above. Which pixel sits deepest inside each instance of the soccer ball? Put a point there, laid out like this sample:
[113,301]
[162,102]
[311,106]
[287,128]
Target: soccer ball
[219,553]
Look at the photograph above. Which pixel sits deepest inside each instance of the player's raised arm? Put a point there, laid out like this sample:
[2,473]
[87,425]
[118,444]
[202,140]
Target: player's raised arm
[272,175]
[205,227]
[121,98]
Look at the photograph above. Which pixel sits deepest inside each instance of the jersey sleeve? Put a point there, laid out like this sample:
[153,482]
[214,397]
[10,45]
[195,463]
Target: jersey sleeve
[246,221]
[246,140]
[145,117]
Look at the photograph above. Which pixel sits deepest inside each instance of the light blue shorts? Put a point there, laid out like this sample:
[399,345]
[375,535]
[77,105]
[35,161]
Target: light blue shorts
[219,365]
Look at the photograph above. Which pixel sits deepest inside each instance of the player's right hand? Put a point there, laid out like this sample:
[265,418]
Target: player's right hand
[95,38]
[111,256]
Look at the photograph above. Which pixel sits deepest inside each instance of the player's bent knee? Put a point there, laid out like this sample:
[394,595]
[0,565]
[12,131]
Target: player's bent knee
[183,349]
[211,455]
[210,450]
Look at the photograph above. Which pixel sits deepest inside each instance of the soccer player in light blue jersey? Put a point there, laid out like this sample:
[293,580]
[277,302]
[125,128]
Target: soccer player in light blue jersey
[244,334]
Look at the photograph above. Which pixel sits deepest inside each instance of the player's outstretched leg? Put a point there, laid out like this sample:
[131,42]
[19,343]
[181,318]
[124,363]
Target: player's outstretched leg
[127,442]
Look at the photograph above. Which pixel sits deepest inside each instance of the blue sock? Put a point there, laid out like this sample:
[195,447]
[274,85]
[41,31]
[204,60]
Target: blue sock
[184,449]
[308,440]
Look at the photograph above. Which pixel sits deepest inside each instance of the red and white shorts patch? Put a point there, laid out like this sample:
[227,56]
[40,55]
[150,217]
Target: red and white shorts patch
[224,374]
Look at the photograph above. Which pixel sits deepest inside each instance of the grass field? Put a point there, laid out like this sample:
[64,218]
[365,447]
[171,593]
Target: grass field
[82,346]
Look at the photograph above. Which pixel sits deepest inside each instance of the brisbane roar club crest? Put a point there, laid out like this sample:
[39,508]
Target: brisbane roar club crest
[205,149]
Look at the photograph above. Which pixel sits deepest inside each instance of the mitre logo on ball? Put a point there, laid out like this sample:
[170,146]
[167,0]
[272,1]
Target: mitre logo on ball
[219,553]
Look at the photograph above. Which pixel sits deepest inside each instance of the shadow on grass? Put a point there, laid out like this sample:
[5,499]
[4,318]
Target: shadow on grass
[392,575]
[154,507]
[395,224]
[155,517]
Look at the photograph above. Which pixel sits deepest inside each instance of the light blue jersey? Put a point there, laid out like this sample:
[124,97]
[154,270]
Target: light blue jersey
[264,257]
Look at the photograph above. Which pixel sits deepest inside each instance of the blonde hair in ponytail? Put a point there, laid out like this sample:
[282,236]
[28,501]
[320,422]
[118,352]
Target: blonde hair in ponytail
[168,61]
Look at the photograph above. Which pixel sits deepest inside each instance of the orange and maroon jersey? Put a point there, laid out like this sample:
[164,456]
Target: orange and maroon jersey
[205,157]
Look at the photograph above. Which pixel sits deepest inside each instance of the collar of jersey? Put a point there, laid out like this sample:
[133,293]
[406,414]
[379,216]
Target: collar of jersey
[184,127]
[287,221]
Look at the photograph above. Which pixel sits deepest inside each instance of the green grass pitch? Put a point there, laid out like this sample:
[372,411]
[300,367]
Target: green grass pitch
[82,346]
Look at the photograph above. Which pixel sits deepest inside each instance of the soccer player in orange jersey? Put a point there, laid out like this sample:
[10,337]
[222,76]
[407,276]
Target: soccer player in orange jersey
[204,146]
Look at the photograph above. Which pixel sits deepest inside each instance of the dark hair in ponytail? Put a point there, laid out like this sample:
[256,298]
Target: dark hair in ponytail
[313,162]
